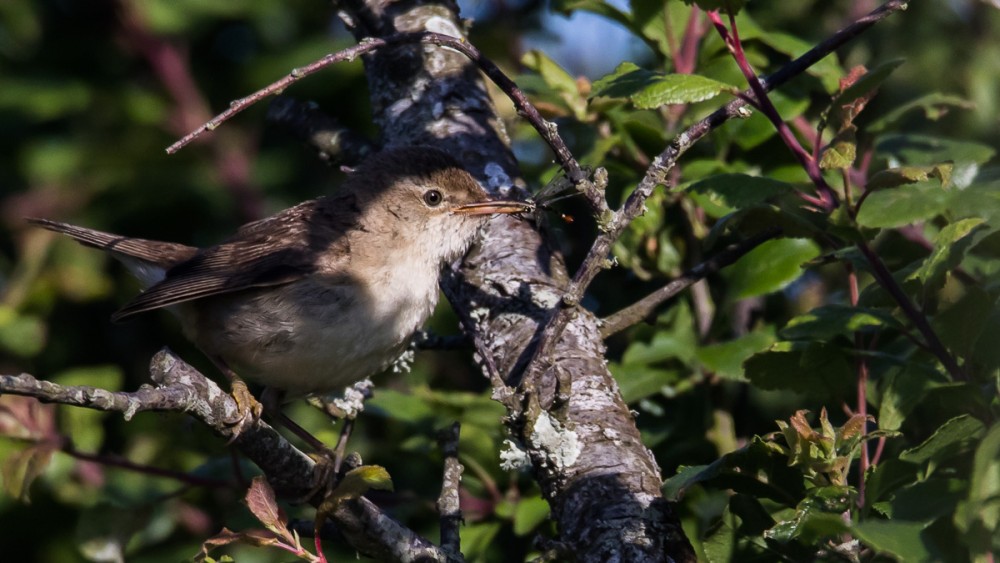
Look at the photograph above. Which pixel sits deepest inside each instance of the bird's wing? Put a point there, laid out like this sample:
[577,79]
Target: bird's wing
[273,251]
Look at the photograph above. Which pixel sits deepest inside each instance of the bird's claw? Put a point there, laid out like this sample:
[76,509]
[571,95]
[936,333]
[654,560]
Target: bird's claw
[248,410]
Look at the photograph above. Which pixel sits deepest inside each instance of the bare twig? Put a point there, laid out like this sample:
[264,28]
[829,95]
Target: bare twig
[525,108]
[448,502]
[642,309]
[657,173]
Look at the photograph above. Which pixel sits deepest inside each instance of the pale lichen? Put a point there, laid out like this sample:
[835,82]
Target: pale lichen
[560,443]
[512,457]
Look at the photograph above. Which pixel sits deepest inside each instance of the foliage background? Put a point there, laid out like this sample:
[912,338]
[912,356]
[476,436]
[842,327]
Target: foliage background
[93,91]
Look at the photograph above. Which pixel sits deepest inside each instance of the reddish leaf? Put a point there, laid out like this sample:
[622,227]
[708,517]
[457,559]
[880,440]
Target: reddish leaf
[261,502]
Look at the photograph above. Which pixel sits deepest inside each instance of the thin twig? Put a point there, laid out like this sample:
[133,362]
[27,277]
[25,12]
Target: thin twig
[656,174]
[642,309]
[448,502]
[525,108]
[122,463]
[884,277]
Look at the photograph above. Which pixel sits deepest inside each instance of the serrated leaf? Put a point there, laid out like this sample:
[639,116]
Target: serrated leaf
[951,437]
[736,191]
[950,247]
[903,175]
[817,370]
[648,90]
[841,151]
[934,106]
[904,205]
[829,321]
[678,89]
[262,503]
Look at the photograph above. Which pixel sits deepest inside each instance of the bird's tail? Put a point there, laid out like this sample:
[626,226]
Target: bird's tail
[146,259]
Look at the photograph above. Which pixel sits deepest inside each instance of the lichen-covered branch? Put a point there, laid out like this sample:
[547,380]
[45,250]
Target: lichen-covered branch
[602,484]
[181,388]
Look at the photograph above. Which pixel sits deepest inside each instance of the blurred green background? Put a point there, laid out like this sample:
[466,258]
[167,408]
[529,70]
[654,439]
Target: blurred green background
[92,92]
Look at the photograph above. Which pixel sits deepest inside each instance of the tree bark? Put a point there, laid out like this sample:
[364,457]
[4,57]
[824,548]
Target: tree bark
[585,451]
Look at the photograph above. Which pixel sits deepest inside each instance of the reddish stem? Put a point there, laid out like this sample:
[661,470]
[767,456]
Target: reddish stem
[862,386]
[122,463]
[828,200]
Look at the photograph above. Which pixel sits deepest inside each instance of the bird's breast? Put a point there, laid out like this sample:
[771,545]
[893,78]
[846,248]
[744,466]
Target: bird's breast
[316,335]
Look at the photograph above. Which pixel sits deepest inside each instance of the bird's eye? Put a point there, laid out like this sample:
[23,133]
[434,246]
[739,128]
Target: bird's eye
[433,198]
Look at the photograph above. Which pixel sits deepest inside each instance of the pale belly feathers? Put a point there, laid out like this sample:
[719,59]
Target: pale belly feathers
[311,337]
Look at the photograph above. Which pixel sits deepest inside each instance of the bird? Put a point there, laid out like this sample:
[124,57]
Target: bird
[322,294]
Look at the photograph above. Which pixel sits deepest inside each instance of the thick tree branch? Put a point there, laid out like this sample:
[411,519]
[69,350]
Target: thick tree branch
[603,485]
[181,388]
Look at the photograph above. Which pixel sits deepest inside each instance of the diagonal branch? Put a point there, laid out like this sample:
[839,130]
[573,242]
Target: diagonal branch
[181,388]
[642,309]
[546,129]
[597,258]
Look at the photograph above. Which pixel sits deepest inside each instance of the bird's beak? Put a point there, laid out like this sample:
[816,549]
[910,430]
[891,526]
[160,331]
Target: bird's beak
[501,206]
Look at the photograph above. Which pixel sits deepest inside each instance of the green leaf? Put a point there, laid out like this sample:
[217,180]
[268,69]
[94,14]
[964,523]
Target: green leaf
[928,150]
[934,105]
[769,267]
[840,115]
[950,247]
[952,437]
[829,321]
[648,90]
[979,516]
[817,370]
[841,151]
[904,205]
[926,501]
[550,71]
[736,191]
[477,538]
[636,381]
[21,335]
[900,539]
[726,358]
[893,177]
[529,514]
[960,325]
[86,426]
[904,389]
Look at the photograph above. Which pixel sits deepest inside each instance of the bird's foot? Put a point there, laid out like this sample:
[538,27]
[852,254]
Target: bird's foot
[325,474]
[248,409]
